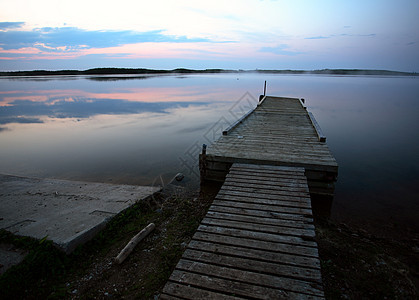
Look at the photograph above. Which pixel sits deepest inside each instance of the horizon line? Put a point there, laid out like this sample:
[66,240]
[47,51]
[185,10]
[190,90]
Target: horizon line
[133,71]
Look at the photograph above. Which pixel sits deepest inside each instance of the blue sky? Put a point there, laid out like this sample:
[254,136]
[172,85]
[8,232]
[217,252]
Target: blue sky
[246,34]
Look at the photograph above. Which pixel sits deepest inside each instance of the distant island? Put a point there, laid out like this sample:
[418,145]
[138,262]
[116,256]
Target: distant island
[142,71]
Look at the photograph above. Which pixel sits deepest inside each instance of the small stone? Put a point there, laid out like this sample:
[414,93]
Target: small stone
[179,177]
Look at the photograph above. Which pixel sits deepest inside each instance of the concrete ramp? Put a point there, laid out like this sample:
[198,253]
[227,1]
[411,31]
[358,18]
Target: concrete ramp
[68,212]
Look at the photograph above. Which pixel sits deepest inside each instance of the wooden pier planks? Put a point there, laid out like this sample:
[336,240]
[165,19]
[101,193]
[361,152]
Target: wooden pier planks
[256,241]
[279,131]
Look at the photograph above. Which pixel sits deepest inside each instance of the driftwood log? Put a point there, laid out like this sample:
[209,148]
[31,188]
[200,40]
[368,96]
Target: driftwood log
[133,242]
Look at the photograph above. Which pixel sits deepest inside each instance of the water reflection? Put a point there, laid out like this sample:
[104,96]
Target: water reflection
[116,78]
[23,111]
[134,131]
[127,132]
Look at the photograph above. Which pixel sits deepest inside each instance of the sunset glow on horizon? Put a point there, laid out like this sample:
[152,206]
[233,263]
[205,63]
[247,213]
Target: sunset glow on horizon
[248,34]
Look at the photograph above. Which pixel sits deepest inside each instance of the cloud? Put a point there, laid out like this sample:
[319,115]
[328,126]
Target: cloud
[360,35]
[18,39]
[67,39]
[22,120]
[317,37]
[279,50]
[9,25]
[338,35]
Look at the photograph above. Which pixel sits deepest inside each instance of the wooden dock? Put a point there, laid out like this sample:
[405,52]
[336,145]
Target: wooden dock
[257,241]
[280,132]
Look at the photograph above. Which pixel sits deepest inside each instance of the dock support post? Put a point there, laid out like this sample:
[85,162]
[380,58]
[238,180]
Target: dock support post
[203,162]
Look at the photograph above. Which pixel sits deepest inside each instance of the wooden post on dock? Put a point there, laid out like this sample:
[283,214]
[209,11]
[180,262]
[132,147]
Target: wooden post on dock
[202,162]
[264,93]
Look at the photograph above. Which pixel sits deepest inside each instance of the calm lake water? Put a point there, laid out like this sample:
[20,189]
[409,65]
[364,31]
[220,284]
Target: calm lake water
[144,130]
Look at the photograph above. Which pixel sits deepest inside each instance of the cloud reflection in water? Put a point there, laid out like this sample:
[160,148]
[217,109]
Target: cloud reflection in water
[26,111]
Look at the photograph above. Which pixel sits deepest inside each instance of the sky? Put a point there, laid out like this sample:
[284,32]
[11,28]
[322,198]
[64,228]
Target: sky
[233,34]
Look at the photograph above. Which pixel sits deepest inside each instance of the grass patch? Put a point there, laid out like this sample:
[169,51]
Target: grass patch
[43,261]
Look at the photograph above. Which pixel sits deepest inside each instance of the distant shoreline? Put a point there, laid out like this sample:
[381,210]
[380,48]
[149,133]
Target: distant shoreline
[142,71]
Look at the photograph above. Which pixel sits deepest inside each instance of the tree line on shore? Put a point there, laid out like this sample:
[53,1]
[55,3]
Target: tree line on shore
[143,71]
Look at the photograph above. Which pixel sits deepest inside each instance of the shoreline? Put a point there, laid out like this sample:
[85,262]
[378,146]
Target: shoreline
[355,263]
[183,71]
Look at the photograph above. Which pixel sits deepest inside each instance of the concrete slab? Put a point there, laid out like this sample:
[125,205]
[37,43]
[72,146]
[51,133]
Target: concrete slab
[68,212]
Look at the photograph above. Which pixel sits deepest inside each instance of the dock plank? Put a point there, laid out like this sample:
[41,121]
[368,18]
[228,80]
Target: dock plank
[267,199]
[257,188]
[260,220]
[240,190]
[265,207]
[235,262]
[236,288]
[285,182]
[264,255]
[177,290]
[258,227]
[260,236]
[257,244]
[263,214]
[288,284]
